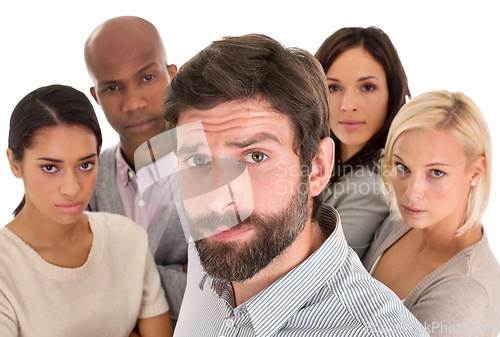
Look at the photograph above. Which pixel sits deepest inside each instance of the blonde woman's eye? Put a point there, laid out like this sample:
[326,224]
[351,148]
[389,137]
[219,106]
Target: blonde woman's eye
[437,173]
[256,157]
[401,167]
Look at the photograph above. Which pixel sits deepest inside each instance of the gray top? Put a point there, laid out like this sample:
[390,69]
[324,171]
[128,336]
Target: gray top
[359,198]
[462,297]
[165,234]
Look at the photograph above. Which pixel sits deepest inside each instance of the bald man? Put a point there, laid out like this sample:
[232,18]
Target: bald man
[127,62]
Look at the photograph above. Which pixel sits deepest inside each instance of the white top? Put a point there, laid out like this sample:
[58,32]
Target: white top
[117,285]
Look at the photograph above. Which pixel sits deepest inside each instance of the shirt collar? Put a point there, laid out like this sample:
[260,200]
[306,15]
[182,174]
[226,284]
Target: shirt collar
[123,169]
[303,281]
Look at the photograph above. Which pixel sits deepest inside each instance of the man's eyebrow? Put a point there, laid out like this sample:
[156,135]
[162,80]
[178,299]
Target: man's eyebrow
[52,160]
[190,148]
[254,139]
[138,72]
[149,65]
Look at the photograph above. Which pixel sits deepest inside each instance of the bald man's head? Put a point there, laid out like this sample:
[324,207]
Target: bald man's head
[127,62]
[120,35]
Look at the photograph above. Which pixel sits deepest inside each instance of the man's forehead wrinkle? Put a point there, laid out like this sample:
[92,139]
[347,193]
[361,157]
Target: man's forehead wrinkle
[238,119]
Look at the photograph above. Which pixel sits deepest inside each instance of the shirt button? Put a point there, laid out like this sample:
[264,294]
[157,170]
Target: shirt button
[229,323]
[141,203]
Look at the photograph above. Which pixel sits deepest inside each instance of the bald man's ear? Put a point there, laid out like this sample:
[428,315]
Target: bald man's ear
[172,70]
[92,92]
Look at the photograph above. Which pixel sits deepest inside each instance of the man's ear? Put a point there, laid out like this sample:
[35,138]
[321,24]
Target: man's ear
[15,166]
[172,70]
[92,92]
[321,167]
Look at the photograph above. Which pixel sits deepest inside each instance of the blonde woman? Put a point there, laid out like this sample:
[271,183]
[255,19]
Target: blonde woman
[433,252]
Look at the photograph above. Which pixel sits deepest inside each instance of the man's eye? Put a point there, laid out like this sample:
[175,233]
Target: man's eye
[256,157]
[197,160]
[149,77]
[111,88]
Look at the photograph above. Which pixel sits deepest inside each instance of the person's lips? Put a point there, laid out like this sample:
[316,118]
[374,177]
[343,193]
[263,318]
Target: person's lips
[412,211]
[70,207]
[351,124]
[142,125]
[230,234]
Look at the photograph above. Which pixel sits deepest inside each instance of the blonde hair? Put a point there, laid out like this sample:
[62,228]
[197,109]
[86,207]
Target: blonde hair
[457,114]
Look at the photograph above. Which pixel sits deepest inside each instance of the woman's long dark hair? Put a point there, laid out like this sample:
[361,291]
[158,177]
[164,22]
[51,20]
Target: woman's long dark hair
[378,44]
[45,107]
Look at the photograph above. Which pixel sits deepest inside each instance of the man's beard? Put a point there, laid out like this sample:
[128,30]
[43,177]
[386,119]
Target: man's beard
[275,232]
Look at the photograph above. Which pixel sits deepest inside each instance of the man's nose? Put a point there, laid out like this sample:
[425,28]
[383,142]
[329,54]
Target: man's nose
[134,100]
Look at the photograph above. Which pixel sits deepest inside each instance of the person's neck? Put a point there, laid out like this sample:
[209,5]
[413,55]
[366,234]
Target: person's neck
[40,232]
[440,239]
[308,241]
[128,153]
[347,152]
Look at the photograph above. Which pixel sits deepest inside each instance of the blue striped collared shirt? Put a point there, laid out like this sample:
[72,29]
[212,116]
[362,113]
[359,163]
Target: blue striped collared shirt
[328,294]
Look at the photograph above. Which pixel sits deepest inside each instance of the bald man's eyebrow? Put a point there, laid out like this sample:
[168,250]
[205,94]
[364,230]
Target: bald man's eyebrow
[138,72]
[254,139]
[149,65]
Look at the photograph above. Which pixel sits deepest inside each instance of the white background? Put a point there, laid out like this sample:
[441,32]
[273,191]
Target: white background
[443,44]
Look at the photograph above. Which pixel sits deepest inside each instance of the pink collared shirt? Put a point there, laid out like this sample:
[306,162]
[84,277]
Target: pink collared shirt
[135,208]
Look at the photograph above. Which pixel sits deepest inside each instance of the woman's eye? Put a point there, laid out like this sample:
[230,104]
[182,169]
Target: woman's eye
[87,166]
[49,168]
[256,157]
[401,168]
[437,173]
[333,88]
[197,160]
[368,87]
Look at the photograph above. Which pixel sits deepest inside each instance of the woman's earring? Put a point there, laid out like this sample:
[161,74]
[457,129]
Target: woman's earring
[473,183]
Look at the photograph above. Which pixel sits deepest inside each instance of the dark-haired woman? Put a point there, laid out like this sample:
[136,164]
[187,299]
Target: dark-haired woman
[368,86]
[64,272]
